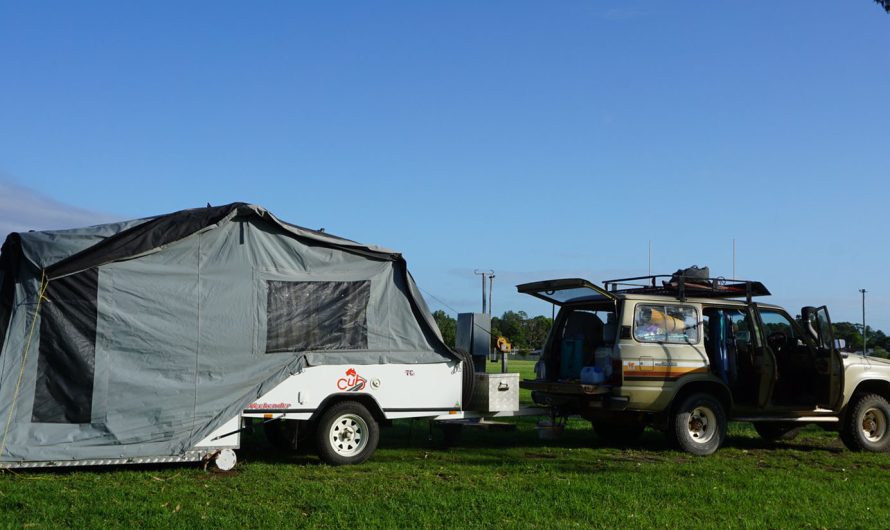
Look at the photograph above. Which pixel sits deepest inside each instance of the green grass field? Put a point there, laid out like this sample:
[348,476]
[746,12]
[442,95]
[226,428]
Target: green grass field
[504,479]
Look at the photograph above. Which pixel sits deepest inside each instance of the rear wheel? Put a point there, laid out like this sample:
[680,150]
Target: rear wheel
[346,434]
[618,433]
[773,431]
[867,425]
[698,425]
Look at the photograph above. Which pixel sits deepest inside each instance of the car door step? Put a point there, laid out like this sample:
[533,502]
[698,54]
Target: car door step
[794,419]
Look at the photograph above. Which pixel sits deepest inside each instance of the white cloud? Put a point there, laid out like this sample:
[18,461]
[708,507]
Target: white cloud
[23,209]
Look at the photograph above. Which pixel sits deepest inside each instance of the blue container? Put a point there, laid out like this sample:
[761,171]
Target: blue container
[571,358]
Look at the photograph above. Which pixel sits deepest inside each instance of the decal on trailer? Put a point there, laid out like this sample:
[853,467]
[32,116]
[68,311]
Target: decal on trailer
[268,406]
[352,382]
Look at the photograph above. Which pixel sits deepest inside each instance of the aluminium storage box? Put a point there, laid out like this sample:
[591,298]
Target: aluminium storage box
[496,393]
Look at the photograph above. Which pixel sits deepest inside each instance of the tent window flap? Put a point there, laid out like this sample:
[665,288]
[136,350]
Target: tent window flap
[313,316]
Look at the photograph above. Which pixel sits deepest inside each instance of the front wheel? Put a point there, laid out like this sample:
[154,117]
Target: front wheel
[346,434]
[866,425]
[698,425]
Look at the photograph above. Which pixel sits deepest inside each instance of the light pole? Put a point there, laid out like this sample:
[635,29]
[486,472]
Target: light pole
[483,287]
[490,285]
[863,291]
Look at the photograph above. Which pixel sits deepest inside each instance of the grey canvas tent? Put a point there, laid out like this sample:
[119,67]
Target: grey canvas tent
[140,338]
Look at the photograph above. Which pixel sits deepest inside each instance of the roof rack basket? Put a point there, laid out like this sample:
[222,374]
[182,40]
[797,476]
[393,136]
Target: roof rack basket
[681,287]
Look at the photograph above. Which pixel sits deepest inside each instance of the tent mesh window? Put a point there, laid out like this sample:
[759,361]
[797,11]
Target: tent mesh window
[312,316]
[67,350]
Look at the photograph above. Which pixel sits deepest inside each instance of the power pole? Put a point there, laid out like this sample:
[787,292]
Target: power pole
[490,275]
[490,286]
[483,287]
[863,291]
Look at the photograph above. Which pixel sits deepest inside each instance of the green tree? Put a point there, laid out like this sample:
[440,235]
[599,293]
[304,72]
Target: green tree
[524,333]
[447,326]
[536,332]
[510,325]
[852,334]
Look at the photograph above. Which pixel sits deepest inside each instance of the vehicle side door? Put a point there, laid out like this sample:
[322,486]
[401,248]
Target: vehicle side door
[828,360]
[764,361]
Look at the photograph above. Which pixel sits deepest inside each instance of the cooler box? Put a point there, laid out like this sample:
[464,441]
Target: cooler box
[495,393]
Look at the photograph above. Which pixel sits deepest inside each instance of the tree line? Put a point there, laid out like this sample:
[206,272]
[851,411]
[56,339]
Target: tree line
[524,333]
[852,333]
[529,333]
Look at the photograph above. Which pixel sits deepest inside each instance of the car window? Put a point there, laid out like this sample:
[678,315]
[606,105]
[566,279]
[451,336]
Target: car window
[666,323]
[775,322]
[741,328]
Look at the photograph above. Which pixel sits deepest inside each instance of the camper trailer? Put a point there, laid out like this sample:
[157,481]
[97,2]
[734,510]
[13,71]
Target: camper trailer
[159,339]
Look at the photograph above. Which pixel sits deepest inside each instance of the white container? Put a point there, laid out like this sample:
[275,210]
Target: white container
[592,375]
[495,393]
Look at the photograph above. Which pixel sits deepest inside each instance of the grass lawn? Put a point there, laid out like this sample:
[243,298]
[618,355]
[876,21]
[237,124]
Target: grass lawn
[504,479]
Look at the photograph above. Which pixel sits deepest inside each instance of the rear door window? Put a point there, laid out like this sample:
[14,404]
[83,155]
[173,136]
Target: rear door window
[666,323]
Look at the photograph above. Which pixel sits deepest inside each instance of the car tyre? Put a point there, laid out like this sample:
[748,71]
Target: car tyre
[346,434]
[867,424]
[698,425]
[774,431]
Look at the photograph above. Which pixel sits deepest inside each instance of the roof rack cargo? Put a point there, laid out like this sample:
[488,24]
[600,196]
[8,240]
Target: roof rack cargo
[681,287]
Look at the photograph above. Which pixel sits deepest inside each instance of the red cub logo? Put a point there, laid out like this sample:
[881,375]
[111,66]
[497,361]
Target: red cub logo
[352,382]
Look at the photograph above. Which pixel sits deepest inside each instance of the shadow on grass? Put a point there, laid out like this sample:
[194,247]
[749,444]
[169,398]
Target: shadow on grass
[418,439]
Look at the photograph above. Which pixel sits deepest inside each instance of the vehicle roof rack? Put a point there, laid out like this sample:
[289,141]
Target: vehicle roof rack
[682,287]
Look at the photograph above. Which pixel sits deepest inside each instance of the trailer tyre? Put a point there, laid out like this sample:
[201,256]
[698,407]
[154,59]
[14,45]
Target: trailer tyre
[225,460]
[867,426]
[346,434]
[698,425]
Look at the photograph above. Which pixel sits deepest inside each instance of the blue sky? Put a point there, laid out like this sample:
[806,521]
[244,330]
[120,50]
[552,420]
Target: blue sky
[537,139]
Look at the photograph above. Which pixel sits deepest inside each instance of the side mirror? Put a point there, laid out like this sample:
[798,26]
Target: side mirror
[840,344]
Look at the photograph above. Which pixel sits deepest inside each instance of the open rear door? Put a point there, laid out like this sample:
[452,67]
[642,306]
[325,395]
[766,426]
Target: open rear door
[566,291]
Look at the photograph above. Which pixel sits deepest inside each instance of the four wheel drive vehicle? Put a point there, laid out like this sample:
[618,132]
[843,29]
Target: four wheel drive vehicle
[686,355]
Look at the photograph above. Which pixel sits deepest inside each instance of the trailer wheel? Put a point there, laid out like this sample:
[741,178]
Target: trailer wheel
[347,434]
[866,426]
[225,460]
[698,425]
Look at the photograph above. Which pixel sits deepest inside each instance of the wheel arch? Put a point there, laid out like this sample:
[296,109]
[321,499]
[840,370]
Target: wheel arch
[873,386]
[880,387]
[718,390]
